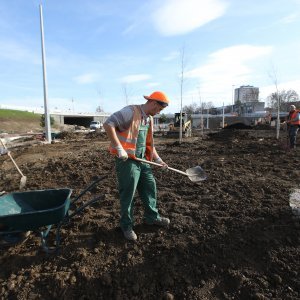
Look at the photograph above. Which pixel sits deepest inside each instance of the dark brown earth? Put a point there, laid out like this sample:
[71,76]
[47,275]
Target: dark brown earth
[232,236]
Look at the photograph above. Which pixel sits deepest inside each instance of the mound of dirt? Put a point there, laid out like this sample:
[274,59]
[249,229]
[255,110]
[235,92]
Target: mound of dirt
[232,236]
[263,127]
[97,134]
[238,126]
[68,135]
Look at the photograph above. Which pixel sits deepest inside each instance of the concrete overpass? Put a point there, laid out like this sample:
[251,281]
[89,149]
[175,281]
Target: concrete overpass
[79,119]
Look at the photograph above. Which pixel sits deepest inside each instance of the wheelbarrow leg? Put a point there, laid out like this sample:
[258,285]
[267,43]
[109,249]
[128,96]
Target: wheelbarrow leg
[68,216]
[44,236]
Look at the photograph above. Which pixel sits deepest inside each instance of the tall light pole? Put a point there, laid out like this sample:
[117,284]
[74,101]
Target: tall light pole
[232,95]
[223,117]
[181,91]
[207,119]
[201,110]
[47,116]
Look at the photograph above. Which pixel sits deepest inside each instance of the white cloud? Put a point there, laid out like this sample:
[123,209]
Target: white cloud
[180,16]
[171,56]
[152,84]
[129,29]
[71,105]
[224,68]
[86,78]
[265,91]
[13,50]
[135,78]
[290,18]
[229,63]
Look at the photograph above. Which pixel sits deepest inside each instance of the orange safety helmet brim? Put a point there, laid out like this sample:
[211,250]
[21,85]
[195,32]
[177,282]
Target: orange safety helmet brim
[158,96]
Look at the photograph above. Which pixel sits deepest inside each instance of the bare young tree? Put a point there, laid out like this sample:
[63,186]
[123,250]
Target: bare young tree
[287,97]
[125,93]
[207,106]
[273,76]
[194,108]
[190,109]
[201,112]
[182,79]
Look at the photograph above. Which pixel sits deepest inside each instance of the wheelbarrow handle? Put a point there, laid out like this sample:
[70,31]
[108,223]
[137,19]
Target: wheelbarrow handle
[89,188]
[81,208]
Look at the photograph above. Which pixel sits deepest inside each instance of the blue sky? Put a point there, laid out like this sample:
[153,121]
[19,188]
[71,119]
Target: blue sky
[106,52]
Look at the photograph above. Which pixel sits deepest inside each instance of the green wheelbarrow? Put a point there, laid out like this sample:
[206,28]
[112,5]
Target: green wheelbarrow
[39,210]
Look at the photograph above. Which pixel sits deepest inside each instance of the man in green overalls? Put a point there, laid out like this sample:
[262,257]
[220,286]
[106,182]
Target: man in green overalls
[130,131]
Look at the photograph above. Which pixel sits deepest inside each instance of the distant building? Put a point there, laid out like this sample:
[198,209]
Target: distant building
[250,107]
[246,93]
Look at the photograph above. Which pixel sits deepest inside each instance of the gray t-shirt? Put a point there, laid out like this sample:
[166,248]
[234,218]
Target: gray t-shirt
[122,119]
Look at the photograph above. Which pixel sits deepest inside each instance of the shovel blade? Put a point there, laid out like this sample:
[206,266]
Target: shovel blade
[196,174]
[23,182]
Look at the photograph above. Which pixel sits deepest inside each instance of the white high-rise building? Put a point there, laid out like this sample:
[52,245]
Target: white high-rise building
[246,93]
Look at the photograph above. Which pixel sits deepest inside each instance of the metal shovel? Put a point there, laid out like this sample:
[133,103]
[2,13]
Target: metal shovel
[195,174]
[23,178]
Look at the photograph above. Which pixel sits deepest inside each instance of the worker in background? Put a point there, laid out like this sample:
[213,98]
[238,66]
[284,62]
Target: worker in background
[293,123]
[130,131]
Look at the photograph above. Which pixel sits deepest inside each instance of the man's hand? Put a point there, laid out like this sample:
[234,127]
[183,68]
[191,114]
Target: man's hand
[122,154]
[4,151]
[161,162]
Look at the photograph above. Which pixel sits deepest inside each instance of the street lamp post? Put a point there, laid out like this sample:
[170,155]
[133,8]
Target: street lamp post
[47,115]
[232,95]
[223,116]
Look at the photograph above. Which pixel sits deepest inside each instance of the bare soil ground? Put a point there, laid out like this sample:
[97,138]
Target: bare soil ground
[18,126]
[232,236]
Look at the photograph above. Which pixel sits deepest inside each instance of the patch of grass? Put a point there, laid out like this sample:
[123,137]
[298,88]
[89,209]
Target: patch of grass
[9,114]
[17,121]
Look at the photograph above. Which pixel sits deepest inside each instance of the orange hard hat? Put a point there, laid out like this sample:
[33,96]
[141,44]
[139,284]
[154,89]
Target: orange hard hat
[160,97]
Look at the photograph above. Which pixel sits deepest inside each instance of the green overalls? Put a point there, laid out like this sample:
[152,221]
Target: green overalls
[134,175]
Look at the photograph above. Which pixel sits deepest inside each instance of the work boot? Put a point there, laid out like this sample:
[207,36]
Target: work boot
[161,221]
[130,235]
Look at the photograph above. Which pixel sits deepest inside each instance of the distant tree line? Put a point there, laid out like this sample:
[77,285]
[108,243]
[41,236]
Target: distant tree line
[194,108]
[285,97]
[42,121]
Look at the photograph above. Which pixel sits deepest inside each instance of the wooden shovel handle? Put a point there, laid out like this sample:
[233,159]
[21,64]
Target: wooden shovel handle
[159,165]
[3,144]
[15,164]
[12,159]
